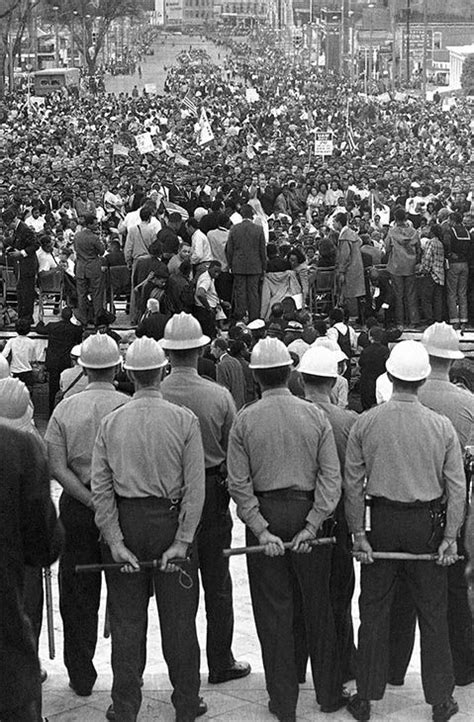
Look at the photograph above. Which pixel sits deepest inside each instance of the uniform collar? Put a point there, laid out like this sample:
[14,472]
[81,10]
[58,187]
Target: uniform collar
[148,392]
[279,391]
[438,376]
[188,370]
[102,385]
[403,396]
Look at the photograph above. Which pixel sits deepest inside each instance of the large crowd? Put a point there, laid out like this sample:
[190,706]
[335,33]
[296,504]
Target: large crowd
[251,260]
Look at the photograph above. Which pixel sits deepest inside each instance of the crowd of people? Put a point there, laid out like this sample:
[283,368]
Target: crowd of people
[233,382]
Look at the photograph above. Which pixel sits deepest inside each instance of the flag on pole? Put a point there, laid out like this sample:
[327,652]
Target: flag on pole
[190,105]
[119,149]
[350,139]
[205,134]
[181,160]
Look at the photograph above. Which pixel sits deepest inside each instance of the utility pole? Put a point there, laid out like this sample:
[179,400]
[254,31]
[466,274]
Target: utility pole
[425,45]
[408,39]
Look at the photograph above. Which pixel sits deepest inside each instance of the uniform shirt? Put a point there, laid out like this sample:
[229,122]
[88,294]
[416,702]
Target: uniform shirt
[201,249]
[68,376]
[282,442]
[408,453]
[75,422]
[212,404]
[148,447]
[207,283]
[439,394]
[341,420]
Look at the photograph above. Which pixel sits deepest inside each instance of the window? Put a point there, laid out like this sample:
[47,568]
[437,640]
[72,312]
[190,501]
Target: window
[437,41]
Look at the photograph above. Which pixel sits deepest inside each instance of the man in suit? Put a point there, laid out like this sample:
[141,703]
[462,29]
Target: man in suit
[23,249]
[245,252]
[89,250]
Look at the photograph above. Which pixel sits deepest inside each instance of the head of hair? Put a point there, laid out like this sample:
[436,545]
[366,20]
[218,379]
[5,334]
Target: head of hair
[185,357]
[143,379]
[336,315]
[215,264]
[399,215]
[276,310]
[341,218]
[193,223]
[272,250]
[66,313]
[236,347]
[22,326]
[247,211]
[89,219]
[321,326]
[175,218]
[456,218]
[272,378]
[185,267]
[405,386]
[100,375]
[220,343]
[145,213]
[300,257]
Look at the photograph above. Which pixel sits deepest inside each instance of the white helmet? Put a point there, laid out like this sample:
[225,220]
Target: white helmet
[182,332]
[144,354]
[319,361]
[409,361]
[441,340]
[75,351]
[99,351]
[270,353]
[4,368]
[332,345]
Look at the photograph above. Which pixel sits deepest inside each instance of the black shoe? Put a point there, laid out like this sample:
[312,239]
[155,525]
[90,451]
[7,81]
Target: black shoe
[464,681]
[237,671]
[396,682]
[444,711]
[359,708]
[81,691]
[186,717]
[281,717]
[339,704]
[110,714]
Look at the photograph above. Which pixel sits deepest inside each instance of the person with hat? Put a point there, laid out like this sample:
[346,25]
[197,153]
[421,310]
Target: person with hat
[372,365]
[258,330]
[319,371]
[408,459]
[22,248]
[73,380]
[70,437]
[229,371]
[148,494]
[284,477]
[30,539]
[215,409]
[440,395]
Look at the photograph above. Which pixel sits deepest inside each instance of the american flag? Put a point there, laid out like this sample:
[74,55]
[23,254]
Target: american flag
[190,105]
[350,138]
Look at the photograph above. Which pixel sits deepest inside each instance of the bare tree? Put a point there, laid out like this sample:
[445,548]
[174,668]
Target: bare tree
[14,18]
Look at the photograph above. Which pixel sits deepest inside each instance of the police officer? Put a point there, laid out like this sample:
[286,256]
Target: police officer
[148,490]
[284,477]
[319,369]
[215,409]
[70,439]
[439,394]
[409,460]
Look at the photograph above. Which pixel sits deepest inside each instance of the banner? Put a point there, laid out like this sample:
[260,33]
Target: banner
[205,134]
[323,144]
[119,149]
[144,143]
[252,95]
[150,88]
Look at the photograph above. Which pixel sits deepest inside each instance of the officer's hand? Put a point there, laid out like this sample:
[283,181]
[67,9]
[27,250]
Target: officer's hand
[362,550]
[300,542]
[447,552]
[273,544]
[121,554]
[15,253]
[178,550]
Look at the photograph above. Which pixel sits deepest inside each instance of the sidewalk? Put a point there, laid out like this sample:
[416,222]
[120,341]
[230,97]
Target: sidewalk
[242,700]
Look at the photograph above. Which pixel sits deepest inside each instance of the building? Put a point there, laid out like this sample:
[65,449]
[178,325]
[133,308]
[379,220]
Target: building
[457,56]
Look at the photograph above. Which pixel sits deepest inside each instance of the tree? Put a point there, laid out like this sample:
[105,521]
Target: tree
[14,18]
[88,21]
[467,76]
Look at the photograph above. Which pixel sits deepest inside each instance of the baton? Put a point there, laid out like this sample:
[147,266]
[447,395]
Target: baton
[324,541]
[403,556]
[153,564]
[49,610]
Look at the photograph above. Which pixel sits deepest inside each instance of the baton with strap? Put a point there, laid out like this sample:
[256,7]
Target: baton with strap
[117,566]
[402,556]
[236,551]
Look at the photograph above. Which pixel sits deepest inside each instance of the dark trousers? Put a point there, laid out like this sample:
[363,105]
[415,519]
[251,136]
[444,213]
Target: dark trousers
[247,295]
[26,713]
[93,287]
[79,594]
[407,529]
[214,535]
[25,292]
[431,295]
[272,583]
[461,637]
[406,304]
[33,599]
[149,526]
[207,321]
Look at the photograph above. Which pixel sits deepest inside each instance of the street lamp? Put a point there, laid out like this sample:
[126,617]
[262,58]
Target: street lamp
[56,35]
[369,69]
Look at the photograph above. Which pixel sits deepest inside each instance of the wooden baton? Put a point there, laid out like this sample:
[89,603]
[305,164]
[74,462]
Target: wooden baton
[49,610]
[153,564]
[324,541]
[402,556]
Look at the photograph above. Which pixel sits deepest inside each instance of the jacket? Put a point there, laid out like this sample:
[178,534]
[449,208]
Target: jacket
[24,239]
[29,534]
[62,336]
[403,250]
[349,263]
[245,249]
[89,249]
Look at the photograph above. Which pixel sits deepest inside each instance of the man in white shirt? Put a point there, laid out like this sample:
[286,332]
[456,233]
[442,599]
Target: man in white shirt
[201,253]
[208,309]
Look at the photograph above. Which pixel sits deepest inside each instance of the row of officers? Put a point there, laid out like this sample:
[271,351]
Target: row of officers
[149,478]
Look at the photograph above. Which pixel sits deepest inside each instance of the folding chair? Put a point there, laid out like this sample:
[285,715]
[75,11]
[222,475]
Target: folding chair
[322,290]
[118,285]
[50,286]
[8,286]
